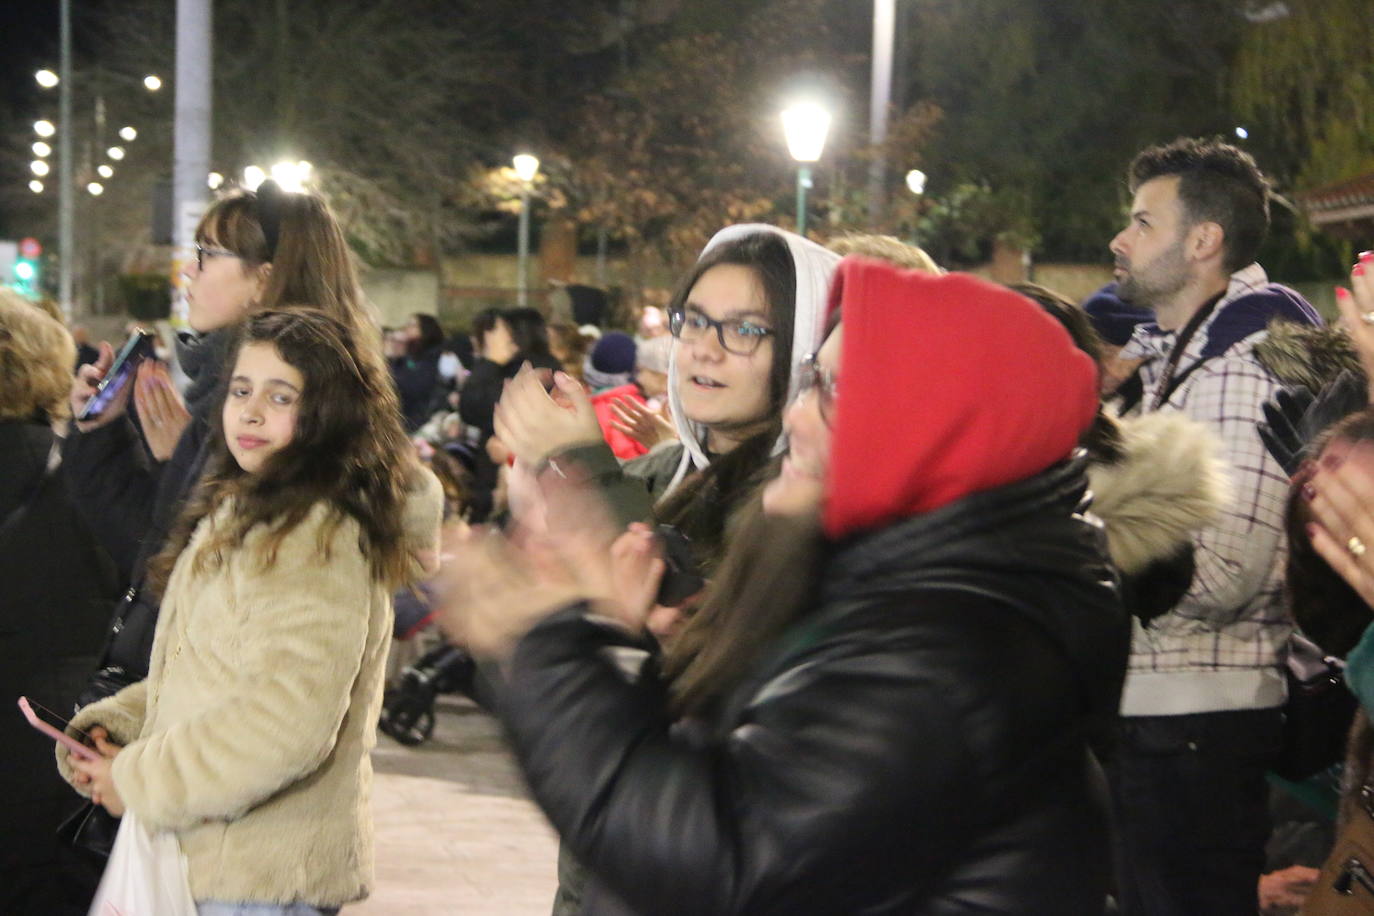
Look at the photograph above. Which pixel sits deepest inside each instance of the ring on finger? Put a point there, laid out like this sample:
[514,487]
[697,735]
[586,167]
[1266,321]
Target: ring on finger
[1355,546]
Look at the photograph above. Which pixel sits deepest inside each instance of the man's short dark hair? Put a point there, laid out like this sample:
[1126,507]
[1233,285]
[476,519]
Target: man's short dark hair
[1218,183]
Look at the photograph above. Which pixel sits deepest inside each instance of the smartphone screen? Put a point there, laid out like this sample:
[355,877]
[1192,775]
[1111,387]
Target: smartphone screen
[137,348]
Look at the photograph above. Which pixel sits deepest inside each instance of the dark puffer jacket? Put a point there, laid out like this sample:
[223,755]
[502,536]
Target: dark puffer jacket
[918,742]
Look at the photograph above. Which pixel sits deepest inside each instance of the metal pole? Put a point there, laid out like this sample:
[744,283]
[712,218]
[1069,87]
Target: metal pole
[884,27]
[803,182]
[522,281]
[191,135]
[66,207]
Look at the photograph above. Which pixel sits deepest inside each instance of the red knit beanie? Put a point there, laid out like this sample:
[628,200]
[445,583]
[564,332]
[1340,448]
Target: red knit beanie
[948,385]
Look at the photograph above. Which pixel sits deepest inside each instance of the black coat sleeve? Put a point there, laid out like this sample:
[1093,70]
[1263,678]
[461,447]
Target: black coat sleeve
[114,484]
[835,766]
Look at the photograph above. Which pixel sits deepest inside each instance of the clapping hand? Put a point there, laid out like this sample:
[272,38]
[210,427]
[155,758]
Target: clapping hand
[645,426]
[160,409]
[534,426]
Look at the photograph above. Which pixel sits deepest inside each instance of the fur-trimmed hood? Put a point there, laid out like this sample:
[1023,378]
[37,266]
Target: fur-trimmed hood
[1169,485]
[1306,355]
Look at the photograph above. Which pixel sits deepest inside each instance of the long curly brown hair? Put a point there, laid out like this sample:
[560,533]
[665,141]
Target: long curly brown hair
[348,452]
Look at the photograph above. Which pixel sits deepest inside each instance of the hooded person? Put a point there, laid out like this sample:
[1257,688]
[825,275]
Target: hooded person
[886,701]
[743,319]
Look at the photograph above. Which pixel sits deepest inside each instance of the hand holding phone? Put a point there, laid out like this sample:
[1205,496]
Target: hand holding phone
[114,379]
[54,726]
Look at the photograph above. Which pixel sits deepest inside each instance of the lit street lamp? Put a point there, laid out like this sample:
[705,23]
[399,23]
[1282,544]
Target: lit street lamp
[805,125]
[526,167]
[916,184]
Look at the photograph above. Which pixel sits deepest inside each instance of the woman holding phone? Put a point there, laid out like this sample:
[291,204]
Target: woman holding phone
[254,250]
[249,738]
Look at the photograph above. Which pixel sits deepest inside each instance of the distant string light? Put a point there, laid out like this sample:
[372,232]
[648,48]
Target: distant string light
[128,134]
[36,186]
[115,152]
[38,167]
[44,128]
[152,83]
[105,171]
[41,149]
[46,78]
[96,188]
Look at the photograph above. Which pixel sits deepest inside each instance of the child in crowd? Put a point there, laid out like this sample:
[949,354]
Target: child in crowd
[250,736]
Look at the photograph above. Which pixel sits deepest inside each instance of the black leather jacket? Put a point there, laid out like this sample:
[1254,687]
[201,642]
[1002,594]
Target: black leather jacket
[918,743]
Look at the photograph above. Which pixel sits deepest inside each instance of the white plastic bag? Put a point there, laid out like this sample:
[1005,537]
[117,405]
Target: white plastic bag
[146,875]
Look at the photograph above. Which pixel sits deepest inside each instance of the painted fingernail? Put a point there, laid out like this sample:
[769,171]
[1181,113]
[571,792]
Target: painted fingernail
[1358,271]
[1309,492]
[1367,255]
[1342,292]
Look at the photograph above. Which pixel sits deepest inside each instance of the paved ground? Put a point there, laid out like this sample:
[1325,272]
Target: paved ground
[456,833]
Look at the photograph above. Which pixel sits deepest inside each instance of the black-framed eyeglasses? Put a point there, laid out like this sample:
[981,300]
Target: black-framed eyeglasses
[741,336]
[815,376]
[202,253]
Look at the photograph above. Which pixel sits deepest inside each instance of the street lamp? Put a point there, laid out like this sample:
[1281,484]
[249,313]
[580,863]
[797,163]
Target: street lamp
[916,184]
[526,167]
[46,78]
[292,176]
[805,125]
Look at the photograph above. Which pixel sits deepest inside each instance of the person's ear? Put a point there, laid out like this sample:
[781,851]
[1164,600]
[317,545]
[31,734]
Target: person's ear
[1206,241]
[264,274]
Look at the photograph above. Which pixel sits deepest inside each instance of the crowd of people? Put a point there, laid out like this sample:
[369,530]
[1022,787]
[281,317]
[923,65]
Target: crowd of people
[849,585]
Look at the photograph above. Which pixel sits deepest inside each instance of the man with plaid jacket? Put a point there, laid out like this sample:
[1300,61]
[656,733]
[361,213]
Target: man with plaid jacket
[1202,707]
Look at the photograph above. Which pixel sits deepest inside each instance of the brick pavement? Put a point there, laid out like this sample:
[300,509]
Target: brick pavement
[456,832]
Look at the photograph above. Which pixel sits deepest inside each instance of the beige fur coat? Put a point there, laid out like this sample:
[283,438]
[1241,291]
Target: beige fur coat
[250,736]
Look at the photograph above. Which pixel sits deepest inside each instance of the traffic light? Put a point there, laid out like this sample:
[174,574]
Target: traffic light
[26,275]
[26,268]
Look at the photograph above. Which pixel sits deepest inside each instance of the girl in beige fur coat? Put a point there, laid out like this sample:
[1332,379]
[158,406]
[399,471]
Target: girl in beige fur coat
[250,737]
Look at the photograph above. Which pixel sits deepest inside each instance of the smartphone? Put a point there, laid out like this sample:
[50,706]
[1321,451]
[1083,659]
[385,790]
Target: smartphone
[136,349]
[681,578]
[54,726]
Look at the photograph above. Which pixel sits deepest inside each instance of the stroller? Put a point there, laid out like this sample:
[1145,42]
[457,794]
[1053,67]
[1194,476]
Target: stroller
[408,708]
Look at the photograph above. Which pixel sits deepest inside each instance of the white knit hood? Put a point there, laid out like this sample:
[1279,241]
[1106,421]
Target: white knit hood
[813,267]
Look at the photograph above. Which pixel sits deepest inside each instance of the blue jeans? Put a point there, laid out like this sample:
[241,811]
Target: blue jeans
[222,908]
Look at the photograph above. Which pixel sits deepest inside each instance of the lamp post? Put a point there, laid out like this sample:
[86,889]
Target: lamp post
[806,125]
[526,167]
